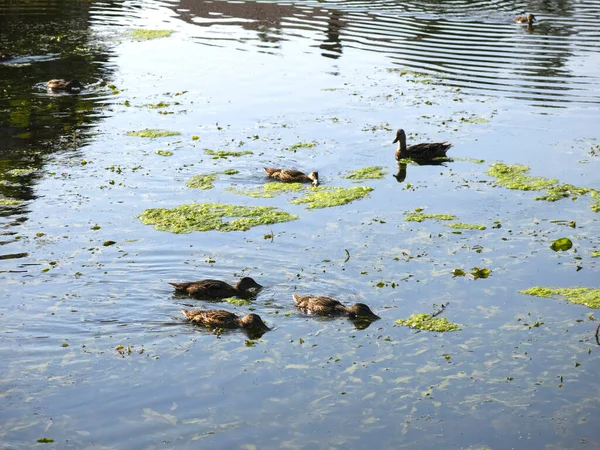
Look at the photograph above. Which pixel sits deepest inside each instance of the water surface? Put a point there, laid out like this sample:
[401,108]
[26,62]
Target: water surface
[93,347]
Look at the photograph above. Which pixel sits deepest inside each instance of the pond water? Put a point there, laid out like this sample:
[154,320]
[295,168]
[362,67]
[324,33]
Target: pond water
[94,351]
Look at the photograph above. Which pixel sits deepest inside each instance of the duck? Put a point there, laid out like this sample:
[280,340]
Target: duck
[417,152]
[216,289]
[219,318]
[63,85]
[292,175]
[528,19]
[327,306]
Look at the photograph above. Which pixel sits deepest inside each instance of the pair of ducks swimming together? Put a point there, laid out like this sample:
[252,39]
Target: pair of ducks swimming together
[216,289]
[418,152]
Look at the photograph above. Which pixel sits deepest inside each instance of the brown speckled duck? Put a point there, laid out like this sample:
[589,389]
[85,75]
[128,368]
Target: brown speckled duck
[528,19]
[418,152]
[216,289]
[218,318]
[63,85]
[327,306]
[292,176]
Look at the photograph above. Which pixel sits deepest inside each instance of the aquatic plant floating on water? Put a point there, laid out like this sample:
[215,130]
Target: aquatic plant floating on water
[153,133]
[366,173]
[143,34]
[515,177]
[224,154]
[466,226]
[211,216]
[326,197]
[578,295]
[427,322]
[561,245]
[270,190]
[418,216]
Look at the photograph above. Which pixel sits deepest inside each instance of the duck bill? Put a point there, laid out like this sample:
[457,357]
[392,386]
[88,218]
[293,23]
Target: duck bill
[395,140]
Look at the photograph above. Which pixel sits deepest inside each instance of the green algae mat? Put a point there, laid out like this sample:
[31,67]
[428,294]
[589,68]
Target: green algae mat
[427,322]
[315,197]
[578,295]
[212,216]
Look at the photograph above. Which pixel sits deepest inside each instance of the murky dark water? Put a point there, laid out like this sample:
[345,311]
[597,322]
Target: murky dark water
[262,77]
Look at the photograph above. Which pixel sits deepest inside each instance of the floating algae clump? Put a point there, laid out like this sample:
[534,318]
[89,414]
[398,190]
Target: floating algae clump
[202,181]
[10,201]
[141,34]
[153,133]
[418,216]
[270,190]
[230,172]
[164,152]
[237,301]
[325,197]
[366,173]
[554,193]
[514,177]
[20,172]
[428,323]
[209,216]
[224,154]
[466,226]
[579,295]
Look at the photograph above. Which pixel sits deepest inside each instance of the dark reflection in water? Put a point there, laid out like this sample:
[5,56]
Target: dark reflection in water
[45,40]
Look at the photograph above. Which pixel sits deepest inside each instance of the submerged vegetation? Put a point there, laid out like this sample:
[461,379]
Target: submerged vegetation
[427,322]
[373,172]
[326,197]
[153,133]
[210,216]
[578,295]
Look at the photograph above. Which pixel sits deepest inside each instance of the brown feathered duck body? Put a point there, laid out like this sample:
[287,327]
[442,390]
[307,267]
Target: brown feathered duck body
[292,175]
[528,19]
[218,318]
[326,306]
[63,85]
[419,152]
[216,289]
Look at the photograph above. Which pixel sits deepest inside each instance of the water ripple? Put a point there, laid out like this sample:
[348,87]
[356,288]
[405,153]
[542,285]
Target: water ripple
[472,45]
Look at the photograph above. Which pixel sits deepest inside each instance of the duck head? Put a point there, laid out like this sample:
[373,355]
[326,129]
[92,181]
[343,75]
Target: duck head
[247,284]
[360,311]
[254,325]
[314,176]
